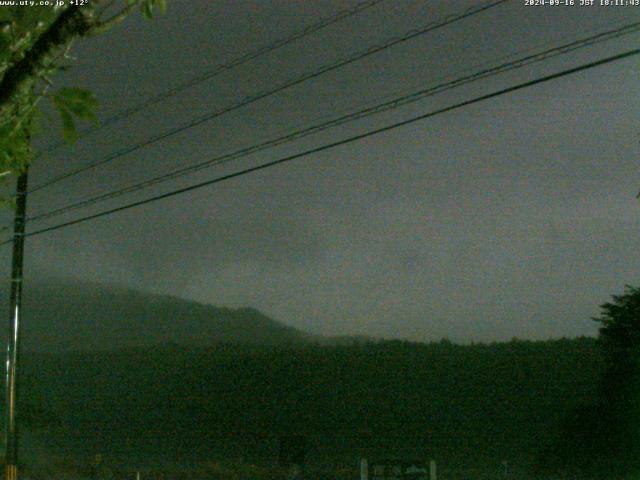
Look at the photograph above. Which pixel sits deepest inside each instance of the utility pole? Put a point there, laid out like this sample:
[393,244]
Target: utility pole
[505,466]
[364,469]
[13,343]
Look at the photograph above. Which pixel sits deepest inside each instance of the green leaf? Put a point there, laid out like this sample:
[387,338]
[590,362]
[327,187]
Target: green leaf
[162,6]
[82,103]
[76,102]
[147,9]
[69,131]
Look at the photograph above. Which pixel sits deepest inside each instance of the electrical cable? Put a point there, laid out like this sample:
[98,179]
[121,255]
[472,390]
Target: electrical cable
[344,141]
[269,92]
[219,69]
[382,107]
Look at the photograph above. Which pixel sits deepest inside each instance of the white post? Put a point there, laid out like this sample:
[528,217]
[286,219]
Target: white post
[137,475]
[364,469]
[432,470]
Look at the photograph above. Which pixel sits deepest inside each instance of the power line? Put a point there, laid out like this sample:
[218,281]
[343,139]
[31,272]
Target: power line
[219,69]
[382,107]
[269,92]
[332,145]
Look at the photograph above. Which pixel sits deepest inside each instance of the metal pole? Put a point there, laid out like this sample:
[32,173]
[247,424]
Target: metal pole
[364,469]
[13,343]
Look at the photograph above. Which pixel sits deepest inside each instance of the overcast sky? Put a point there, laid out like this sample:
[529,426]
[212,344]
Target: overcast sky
[512,217]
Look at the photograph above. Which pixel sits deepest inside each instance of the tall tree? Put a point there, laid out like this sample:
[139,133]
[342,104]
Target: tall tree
[601,438]
[34,42]
[620,383]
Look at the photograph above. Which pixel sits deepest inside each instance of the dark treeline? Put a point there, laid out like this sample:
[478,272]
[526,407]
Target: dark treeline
[600,438]
[463,405]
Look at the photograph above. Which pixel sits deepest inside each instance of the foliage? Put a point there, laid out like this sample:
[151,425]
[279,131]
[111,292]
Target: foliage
[34,43]
[149,6]
[467,406]
[620,328]
[620,383]
[72,102]
[601,437]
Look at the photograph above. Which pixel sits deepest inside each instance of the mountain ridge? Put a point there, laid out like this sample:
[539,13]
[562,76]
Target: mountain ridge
[62,315]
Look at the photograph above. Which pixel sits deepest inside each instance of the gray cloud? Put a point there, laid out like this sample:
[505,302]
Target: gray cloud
[513,217]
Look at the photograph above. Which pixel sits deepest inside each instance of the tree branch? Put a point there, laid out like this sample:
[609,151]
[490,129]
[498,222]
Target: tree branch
[105,25]
[71,23]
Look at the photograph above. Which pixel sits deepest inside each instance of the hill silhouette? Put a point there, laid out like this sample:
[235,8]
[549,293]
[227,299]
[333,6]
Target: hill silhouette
[66,316]
[149,378]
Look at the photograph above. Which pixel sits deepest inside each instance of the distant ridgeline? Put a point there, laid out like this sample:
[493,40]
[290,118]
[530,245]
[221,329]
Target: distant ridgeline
[64,316]
[174,379]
